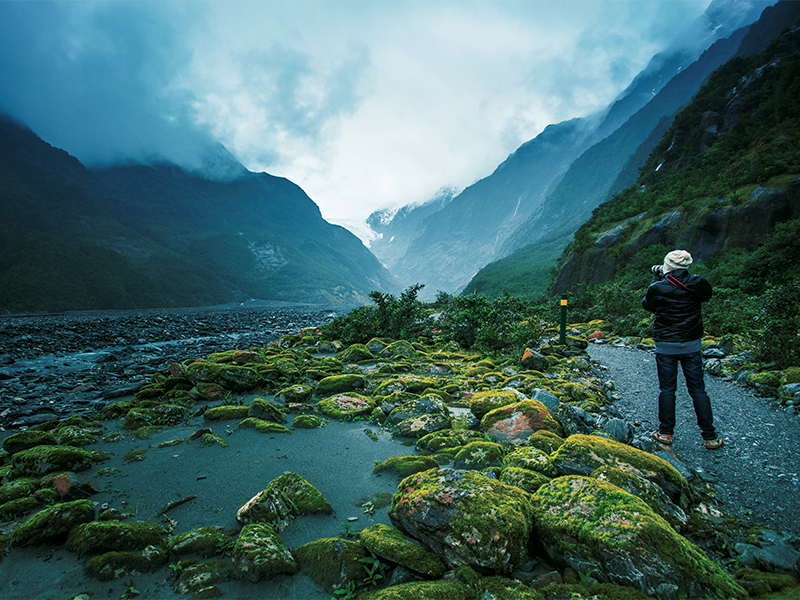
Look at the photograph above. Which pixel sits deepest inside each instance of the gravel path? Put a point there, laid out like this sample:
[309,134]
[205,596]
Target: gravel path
[756,474]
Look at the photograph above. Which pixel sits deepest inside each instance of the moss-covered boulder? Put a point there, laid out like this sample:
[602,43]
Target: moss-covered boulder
[399,349]
[231,377]
[338,384]
[447,438]
[266,411]
[41,460]
[294,394]
[75,435]
[259,553]
[308,422]
[392,544]
[422,425]
[53,524]
[210,392]
[17,442]
[488,400]
[528,480]
[479,455]
[331,562]
[113,565]
[582,454]
[465,517]
[65,485]
[197,577]
[19,488]
[531,458]
[354,354]
[533,360]
[286,496]
[14,509]
[154,415]
[206,542]
[648,491]
[226,413]
[99,537]
[424,405]
[443,589]
[346,406]
[263,426]
[546,441]
[515,423]
[599,529]
[406,465]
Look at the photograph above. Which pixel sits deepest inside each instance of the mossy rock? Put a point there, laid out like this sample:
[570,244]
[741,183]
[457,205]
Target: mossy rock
[443,589]
[231,377]
[346,406]
[419,426]
[41,460]
[113,565]
[212,439]
[790,375]
[503,588]
[65,485]
[582,454]
[99,537]
[597,527]
[406,465]
[295,394]
[226,413]
[53,524]
[303,497]
[528,480]
[546,441]
[266,411]
[19,488]
[14,509]
[392,544]
[17,442]
[331,562]
[486,401]
[210,392]
[392,386]
[479,455]
[338,384]
[531,458]
[308,422]
[354,354]
[398,349]
[464,517]
[263,426]
[160,414]
[196,577]
[286,496]
[776,581]
[206,542]
[428,404]
[259,553]
[515,423]
[452,438]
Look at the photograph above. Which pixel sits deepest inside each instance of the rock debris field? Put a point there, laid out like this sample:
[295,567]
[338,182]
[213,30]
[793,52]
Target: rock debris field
[233,452]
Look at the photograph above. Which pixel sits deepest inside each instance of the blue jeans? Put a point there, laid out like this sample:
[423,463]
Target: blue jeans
[692,365]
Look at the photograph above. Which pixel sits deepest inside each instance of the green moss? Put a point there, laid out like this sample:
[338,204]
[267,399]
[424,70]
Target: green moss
[106,536]
[113,565]
[170,443]
[54,523]
[790,375]
[354,354]
[226,413]
[231,377]
[531,458]
[331,561]
[444,589]
[528,480]
[266,411]
[390,543]
[546,441]
[479,455]
[24,440]
[206,541]
[296,394]
[259,552]
[484,402]
[346,406]
[14,509]
[337,384]
[40,460]
[198,576]
[302,496]
[19,488]
[135,455]
[776,581]
[406,465]
[308,422]
[157,414]
[211,439]
[263,426]
[589,520]
[148,431]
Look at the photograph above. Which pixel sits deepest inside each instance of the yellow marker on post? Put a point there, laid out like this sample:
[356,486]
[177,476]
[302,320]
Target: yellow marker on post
[563,337]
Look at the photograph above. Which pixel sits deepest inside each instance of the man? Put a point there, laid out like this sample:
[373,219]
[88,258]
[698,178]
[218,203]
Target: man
[675,297]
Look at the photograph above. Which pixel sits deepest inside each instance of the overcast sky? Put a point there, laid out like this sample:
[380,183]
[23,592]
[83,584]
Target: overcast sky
[364,104]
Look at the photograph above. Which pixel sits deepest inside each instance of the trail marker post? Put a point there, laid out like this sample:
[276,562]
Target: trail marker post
[563,336]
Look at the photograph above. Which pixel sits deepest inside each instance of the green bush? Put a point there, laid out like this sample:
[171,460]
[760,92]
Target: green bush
[779,318]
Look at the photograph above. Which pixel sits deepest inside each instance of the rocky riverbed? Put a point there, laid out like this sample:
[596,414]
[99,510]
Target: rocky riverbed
[55,366]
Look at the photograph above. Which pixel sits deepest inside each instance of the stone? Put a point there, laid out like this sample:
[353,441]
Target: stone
[331,562]
[113,565]
[226,413]
[17,442]
[356,353]
[465,517]
[528,480]
[196,577]
[417,427]
[266,411]
[546,397]
[231,377]
[533,360]
[515,423]
[479,455]
[532,459]
[778,558]
[406,465]
[601,530]
[41,460]
[486,401]
[619,429]
[99,537]
[259,554]
[346,406]
[424,405]
[338,384]
[308,422]
[286,496]
[53,524]
[392,544]
[206,542]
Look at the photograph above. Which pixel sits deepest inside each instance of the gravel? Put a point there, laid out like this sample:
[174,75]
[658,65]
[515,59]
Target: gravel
[756,474]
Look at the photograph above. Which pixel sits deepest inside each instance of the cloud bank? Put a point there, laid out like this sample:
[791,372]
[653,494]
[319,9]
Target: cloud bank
[362,104]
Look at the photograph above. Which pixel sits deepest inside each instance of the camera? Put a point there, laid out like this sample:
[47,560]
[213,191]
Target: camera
[657,270]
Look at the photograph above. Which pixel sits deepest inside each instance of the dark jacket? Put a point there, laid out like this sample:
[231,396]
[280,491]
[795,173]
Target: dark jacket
[677,310]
